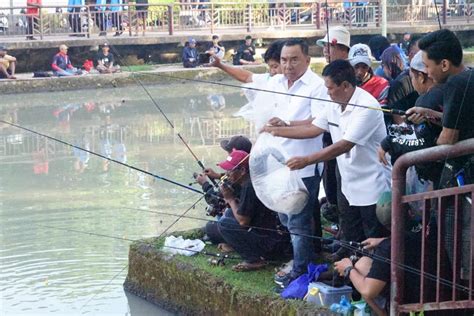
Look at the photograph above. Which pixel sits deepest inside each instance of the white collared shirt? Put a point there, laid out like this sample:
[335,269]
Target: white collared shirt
[363,177]
[292,108]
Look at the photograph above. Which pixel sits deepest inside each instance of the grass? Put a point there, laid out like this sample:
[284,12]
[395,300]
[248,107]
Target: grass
[469,49]
[253,282]
[135,68]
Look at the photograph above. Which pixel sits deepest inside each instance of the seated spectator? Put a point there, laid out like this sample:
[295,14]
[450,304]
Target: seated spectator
[245,53]
[254,245]
[190,54]
[215,50]
[360,58]
[7,64]
[62,66]
[105,61]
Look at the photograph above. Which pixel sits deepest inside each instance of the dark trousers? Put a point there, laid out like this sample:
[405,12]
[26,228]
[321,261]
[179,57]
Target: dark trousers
[190,64]
[357,222]
[329,174]
[212,231]
[117,21]
[251,244]
[75,22]
[32,25]
[101,21]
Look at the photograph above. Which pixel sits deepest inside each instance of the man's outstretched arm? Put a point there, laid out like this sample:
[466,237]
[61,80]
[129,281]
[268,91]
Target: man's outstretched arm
[237,73]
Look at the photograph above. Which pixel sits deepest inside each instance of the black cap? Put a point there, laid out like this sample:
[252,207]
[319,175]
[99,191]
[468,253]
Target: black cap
[237,142]
[248,37]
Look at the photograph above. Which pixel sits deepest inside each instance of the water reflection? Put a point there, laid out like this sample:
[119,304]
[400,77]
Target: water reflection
[46,184]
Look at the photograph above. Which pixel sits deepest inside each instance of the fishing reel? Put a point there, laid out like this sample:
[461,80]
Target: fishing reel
[216,262]
[356,255]
[399,130]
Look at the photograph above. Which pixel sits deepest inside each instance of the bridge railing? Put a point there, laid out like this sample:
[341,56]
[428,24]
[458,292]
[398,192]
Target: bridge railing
[445,270]
[211,16]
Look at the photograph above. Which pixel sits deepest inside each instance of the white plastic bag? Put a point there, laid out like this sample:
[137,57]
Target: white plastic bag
[259,110]
[180,246]
[279,188]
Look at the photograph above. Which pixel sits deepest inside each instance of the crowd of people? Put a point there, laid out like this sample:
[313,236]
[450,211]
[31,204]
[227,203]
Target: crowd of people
[338,125]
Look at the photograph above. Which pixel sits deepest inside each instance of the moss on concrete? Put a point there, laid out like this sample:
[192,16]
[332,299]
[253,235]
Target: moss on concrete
[190,286]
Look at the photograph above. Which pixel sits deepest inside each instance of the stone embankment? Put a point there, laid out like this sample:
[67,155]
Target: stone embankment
[185,286]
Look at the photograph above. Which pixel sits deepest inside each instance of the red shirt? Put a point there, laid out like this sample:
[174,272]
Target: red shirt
[32,10]
[377,87]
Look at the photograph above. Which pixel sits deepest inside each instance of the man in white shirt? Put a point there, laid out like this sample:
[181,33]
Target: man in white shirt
[298,79]
[356,132]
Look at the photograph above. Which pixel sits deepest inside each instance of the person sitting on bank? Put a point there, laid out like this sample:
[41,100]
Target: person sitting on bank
[7,64]
[245,53]
[105,61]
[215,50]
[237,142]
[248,226]
[62,66]
[190,54]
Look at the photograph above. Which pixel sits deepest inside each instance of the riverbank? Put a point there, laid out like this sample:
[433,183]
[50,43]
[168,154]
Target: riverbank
[158,74]
[153,74]
[191,286]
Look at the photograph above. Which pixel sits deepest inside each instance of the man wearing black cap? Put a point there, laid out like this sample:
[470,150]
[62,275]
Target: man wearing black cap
[7,64]
[105,61]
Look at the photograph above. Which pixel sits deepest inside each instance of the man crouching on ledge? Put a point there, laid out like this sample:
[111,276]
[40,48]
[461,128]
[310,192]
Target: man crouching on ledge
[247,225]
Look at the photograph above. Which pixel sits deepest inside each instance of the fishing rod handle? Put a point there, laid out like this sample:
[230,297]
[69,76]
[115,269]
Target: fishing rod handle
[398,112]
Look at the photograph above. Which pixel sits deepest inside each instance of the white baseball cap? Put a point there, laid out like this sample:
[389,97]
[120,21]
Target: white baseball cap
[336,35]
[417,62]
[360,53]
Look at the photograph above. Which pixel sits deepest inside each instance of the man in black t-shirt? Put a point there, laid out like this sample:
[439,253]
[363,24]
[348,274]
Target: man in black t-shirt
[248,226]
[105,61]
[442,55]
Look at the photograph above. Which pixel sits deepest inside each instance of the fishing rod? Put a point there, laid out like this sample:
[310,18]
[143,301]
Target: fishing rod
[207,253]
[104,157]
[328,44]
[437,14]
[350,245]
[199,162]
[385,110]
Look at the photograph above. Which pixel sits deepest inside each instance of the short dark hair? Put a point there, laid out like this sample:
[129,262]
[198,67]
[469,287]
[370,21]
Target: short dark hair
[215,37]
[274,51]
[377,45]
[442,44]
[301,43]
[340,71]
[248,37]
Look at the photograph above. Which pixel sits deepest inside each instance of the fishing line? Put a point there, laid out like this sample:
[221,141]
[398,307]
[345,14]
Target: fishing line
[388,111]
[104,157]
[350,245]
[199,162]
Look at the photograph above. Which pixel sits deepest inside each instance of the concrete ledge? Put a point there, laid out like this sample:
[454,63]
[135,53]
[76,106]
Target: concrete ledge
[179,285]
[160,75]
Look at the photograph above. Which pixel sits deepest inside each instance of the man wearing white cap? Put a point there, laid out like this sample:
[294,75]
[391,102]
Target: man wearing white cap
[61,64]
[429,104]
[360,58]
[336,43]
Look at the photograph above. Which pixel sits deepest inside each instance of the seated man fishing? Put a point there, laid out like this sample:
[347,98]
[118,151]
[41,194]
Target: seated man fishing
[249,227]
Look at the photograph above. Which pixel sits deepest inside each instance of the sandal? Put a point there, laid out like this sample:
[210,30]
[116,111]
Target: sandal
[249,266]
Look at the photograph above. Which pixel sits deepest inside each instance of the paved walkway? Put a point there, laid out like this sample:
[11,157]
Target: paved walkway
[180,36]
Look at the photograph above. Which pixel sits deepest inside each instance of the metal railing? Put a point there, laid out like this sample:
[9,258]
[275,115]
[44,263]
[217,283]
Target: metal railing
[446,282]
[168,18]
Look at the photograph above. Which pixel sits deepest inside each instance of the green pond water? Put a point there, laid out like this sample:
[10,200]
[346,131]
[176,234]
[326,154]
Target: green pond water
[51,196]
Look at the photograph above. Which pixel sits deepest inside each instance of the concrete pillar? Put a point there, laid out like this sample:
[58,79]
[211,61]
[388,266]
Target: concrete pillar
[383,13]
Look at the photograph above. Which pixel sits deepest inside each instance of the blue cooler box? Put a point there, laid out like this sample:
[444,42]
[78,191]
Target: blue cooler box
[325,295]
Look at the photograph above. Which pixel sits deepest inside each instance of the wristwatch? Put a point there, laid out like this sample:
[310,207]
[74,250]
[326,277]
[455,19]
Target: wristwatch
[347,271]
